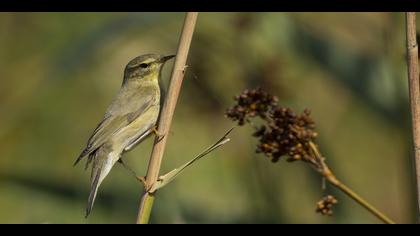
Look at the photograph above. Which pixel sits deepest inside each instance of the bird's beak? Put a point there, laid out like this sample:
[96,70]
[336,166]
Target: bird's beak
[166,58]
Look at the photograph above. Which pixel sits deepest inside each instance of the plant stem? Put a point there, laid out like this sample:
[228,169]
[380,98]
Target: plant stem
[336,183]
[165,120]
[146,209]
[326,172]
[413,84]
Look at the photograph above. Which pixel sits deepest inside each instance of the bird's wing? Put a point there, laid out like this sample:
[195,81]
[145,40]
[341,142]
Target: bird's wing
[113,122]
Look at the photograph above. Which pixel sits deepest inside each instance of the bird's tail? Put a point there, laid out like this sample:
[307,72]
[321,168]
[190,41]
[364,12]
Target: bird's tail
[102,164]
[93,190]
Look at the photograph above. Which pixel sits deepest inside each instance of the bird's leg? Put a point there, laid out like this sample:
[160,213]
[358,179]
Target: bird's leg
[139,178]
[156,133]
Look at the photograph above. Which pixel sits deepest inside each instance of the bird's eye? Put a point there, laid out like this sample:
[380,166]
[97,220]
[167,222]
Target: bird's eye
[144,65]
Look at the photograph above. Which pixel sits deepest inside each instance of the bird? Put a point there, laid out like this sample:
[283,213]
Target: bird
[130,118]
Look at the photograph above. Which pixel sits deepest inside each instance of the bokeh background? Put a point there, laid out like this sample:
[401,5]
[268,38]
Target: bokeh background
[59,72]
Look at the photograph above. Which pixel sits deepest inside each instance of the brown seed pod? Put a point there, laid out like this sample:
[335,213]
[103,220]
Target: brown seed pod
[325,205]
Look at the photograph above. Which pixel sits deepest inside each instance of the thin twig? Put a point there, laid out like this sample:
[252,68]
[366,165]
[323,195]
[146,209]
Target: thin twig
[330,177]
[171,175]
[166,116]
[413,83]
[336,183]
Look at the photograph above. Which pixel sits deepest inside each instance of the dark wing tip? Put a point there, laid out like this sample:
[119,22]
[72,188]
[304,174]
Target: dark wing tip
[77,161]
[83,154]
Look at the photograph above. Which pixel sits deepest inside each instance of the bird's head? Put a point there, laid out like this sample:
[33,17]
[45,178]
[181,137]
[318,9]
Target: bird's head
[145,67]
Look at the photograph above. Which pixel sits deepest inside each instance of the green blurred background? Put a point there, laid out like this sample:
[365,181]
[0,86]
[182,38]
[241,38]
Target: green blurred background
[59,72]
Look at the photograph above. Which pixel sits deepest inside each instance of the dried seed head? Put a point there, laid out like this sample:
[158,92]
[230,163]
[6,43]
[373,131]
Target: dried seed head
[325,205]
[284,132]
[251,103]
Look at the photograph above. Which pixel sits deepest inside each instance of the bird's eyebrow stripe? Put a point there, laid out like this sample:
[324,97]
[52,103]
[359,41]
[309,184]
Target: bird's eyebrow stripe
[147,61]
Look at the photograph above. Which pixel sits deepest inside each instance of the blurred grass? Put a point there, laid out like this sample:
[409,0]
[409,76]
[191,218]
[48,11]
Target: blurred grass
[59,71]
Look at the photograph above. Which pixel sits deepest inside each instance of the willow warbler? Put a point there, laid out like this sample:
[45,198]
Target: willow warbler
[129,119]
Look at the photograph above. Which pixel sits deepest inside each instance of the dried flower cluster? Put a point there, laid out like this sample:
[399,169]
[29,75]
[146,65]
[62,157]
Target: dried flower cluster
[325,205]
[284,133]
[251,103]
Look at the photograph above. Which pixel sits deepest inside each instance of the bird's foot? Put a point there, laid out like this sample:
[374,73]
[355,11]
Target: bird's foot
[142,180]
[157,134]
[139,178]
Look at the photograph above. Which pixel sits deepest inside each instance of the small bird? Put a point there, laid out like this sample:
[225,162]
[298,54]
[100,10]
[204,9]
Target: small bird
[130,118]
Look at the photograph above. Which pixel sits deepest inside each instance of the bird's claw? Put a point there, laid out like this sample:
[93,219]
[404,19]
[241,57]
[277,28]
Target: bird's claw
[156,133]
[142,179]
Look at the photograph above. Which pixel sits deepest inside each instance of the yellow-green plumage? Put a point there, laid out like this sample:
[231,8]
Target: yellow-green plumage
[128,120]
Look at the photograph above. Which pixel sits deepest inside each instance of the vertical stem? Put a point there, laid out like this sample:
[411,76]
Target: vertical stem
[414,87]
[146,209]
[166,116]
